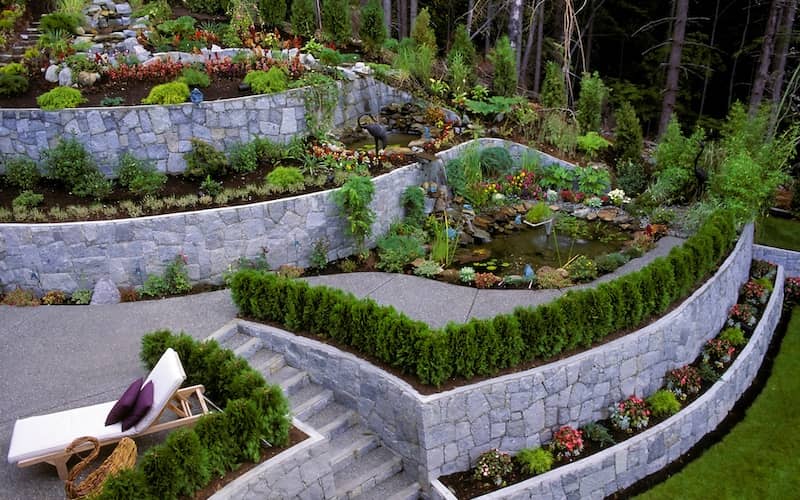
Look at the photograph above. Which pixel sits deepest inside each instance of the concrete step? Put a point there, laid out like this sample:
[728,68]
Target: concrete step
[351,445]
[267,362]
[397,487]
[366,473]
[249,348]
[233,341]
[290,379]
[333,420]
[309,400]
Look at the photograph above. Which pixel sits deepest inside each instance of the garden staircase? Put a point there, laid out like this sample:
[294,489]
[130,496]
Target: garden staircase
[27,39]
[363,468]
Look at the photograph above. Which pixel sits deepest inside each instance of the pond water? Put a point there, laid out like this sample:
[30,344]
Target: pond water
[393,139]
[508,253]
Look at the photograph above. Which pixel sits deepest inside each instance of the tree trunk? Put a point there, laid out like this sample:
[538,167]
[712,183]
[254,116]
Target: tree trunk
[784,38]
[413,13]
[470,12]
[526,55]
[515,31]
[487,42]
[767,46]
[707,72]
[402,19]
[736,54]
[674,65]
[537,67]
[387,16]
[590,33]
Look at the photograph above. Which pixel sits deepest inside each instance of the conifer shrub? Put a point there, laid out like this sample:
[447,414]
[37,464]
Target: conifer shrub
[12,85]
[336,20]
[195,78]
[304,18]
[592,96]
[504,82]
[628,142]
[267,82]
[168,93]
[285,177]
[422,33]
[272,12]
[554,90]
[462,44]
[372,30]
[60,98]
[204,160]
[663,403]
[21,172]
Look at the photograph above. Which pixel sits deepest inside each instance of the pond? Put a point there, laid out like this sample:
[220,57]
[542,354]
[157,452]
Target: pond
[508,253]
[393,139]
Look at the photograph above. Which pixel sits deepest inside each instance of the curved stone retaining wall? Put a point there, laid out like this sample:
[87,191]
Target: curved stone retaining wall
[68,256]
[445,432]
[163,133]
[618,467]
[789,259]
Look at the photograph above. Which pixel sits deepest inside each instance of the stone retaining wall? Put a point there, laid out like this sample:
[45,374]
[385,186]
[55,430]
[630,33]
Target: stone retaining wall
[790,260]
[620,466]
[445,432]
[68,256]
[163,133]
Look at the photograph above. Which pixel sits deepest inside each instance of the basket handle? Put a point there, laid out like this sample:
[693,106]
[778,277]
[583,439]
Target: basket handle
[76,470]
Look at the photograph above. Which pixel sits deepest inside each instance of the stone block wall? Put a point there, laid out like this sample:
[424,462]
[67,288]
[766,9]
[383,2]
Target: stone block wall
[445,432]
[620,466]
[163,133]
[68,256]
[790,260]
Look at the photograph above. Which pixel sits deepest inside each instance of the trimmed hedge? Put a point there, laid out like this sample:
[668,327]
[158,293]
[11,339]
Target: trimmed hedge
[483,346]
[219,442]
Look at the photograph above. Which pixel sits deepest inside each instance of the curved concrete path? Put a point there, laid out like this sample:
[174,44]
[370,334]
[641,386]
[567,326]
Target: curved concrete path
[59,357]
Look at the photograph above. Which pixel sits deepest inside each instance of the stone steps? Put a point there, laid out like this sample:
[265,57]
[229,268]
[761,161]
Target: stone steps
[362,467]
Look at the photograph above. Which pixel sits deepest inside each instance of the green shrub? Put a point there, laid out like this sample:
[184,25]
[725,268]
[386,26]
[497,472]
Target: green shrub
[14,68]
[336,20]
[496,162]
[81,297]
[663,403]
[243,157]
[592,95]
[12,85]
[330,57]
[628,135]
[60,98]
[504,81]
[272,12]
[140,177]
[609,263]
[22,172]
[26,200]
[592,143]
[81,62]
[195,78]
[554,91]
[168,93]
[539,212]
[557,177]
[60,21]
[192,471]
[461,75]
[285,177]
[174,281]
[211,187]
[592,180]
[462,44]
[353,200]
[304,18]
[125,484]
[207,6]
[535,460]
[396,251]
[598,433]
[734,336]
[413,201]
[267,82]
[422,33]
[632,177]
[204,160]
[372,30]
[582,268]
[70,163]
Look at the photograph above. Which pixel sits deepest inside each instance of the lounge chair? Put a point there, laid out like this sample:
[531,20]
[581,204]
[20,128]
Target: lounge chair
[44,438]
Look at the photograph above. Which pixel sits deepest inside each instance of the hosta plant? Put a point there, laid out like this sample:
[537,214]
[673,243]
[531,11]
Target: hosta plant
[630,414]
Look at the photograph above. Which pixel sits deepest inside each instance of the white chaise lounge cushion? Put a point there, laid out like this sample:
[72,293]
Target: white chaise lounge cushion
[46,434]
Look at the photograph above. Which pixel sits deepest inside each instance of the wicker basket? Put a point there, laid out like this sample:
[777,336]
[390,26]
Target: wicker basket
[123,457]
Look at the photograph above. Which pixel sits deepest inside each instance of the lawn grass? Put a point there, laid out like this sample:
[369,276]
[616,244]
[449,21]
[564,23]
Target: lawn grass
[759,458]
[778,232]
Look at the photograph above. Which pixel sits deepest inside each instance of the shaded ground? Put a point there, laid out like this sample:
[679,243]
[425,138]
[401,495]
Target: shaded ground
[778,232]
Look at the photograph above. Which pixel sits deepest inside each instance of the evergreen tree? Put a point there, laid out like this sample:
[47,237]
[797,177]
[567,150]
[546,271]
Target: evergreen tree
[272,12]
[336,20]
[590,102]
[304,18]
[628,144]
[462,45]
[421,32]
[372,30]
[554,91]
[505,68]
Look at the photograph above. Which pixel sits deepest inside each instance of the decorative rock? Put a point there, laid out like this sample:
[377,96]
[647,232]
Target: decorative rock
[481,235]
[592,216]
[65,77]
[105,292]
[87,79]
[607,214]
[582,213]
[51,75]
[124,9]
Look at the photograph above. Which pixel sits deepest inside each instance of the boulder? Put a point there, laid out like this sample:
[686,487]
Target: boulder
[51,74]
[607,214]
[87,79]
[105,292]
[65,77]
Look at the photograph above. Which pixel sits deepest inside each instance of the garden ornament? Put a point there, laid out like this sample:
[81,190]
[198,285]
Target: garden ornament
[196,96]
[376,130]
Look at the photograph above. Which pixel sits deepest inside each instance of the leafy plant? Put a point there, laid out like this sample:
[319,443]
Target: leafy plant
[12,85]
[353,199]
[54,298]
[319,253]
[609,263]
[632,176]
[243,157]
[717,352]
[486,280]
[567,443]
[71,164]
[590,102]
[557,177]
[62,21]
[22,172]
[413,201]
[598,433]
[112,101]
[684,381]
[26,200]
[168,93]
[81,297]
[495,162]
[140,177]
[592,143]
[444,241]
[211,187]
[663,403]
[174,281]
[204,160]
[630,414]
[20,298]
[285,177]
[267,82]
[582,268]
[428,268]
[539,212]
[494,466]
[592,180]
[466,274]
[535,460]
[195,78]
[60,98]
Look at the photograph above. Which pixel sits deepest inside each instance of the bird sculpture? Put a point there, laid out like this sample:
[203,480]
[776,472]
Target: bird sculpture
[376,130]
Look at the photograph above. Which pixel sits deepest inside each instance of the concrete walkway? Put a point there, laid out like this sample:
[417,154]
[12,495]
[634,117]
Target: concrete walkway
[59,357]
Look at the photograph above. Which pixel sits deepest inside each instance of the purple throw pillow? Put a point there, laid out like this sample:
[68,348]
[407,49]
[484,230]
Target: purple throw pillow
[125,404]
[143,404]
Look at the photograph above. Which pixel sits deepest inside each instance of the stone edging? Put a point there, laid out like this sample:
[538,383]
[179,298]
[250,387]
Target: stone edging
[622,465]
[789,259]
[445,432]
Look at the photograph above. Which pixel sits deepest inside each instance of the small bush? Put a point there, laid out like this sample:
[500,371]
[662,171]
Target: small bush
[590,102]
[538,213]
[60,98]
[628,143]
[22,172]
[20,298]
[734,336]
[372,30]
[285,177]
[70,163]
[243,157]
[663,403]
[582,268]
[496,162]
[168,93]
[535,460]
[81,297]
[211,187]
[504,82]
[12,85]
[54,298]
[598,433]
[592,143]
[174,281]
[304,18]
[421,32]
[140,177]
[353,200]
[554,91]
[13,68]
[413,201]
[267,82]
[204,160]
[27,200]
[195,78]
[60,21]
[336,20]
[609,263]
[632,177]
[395,251]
